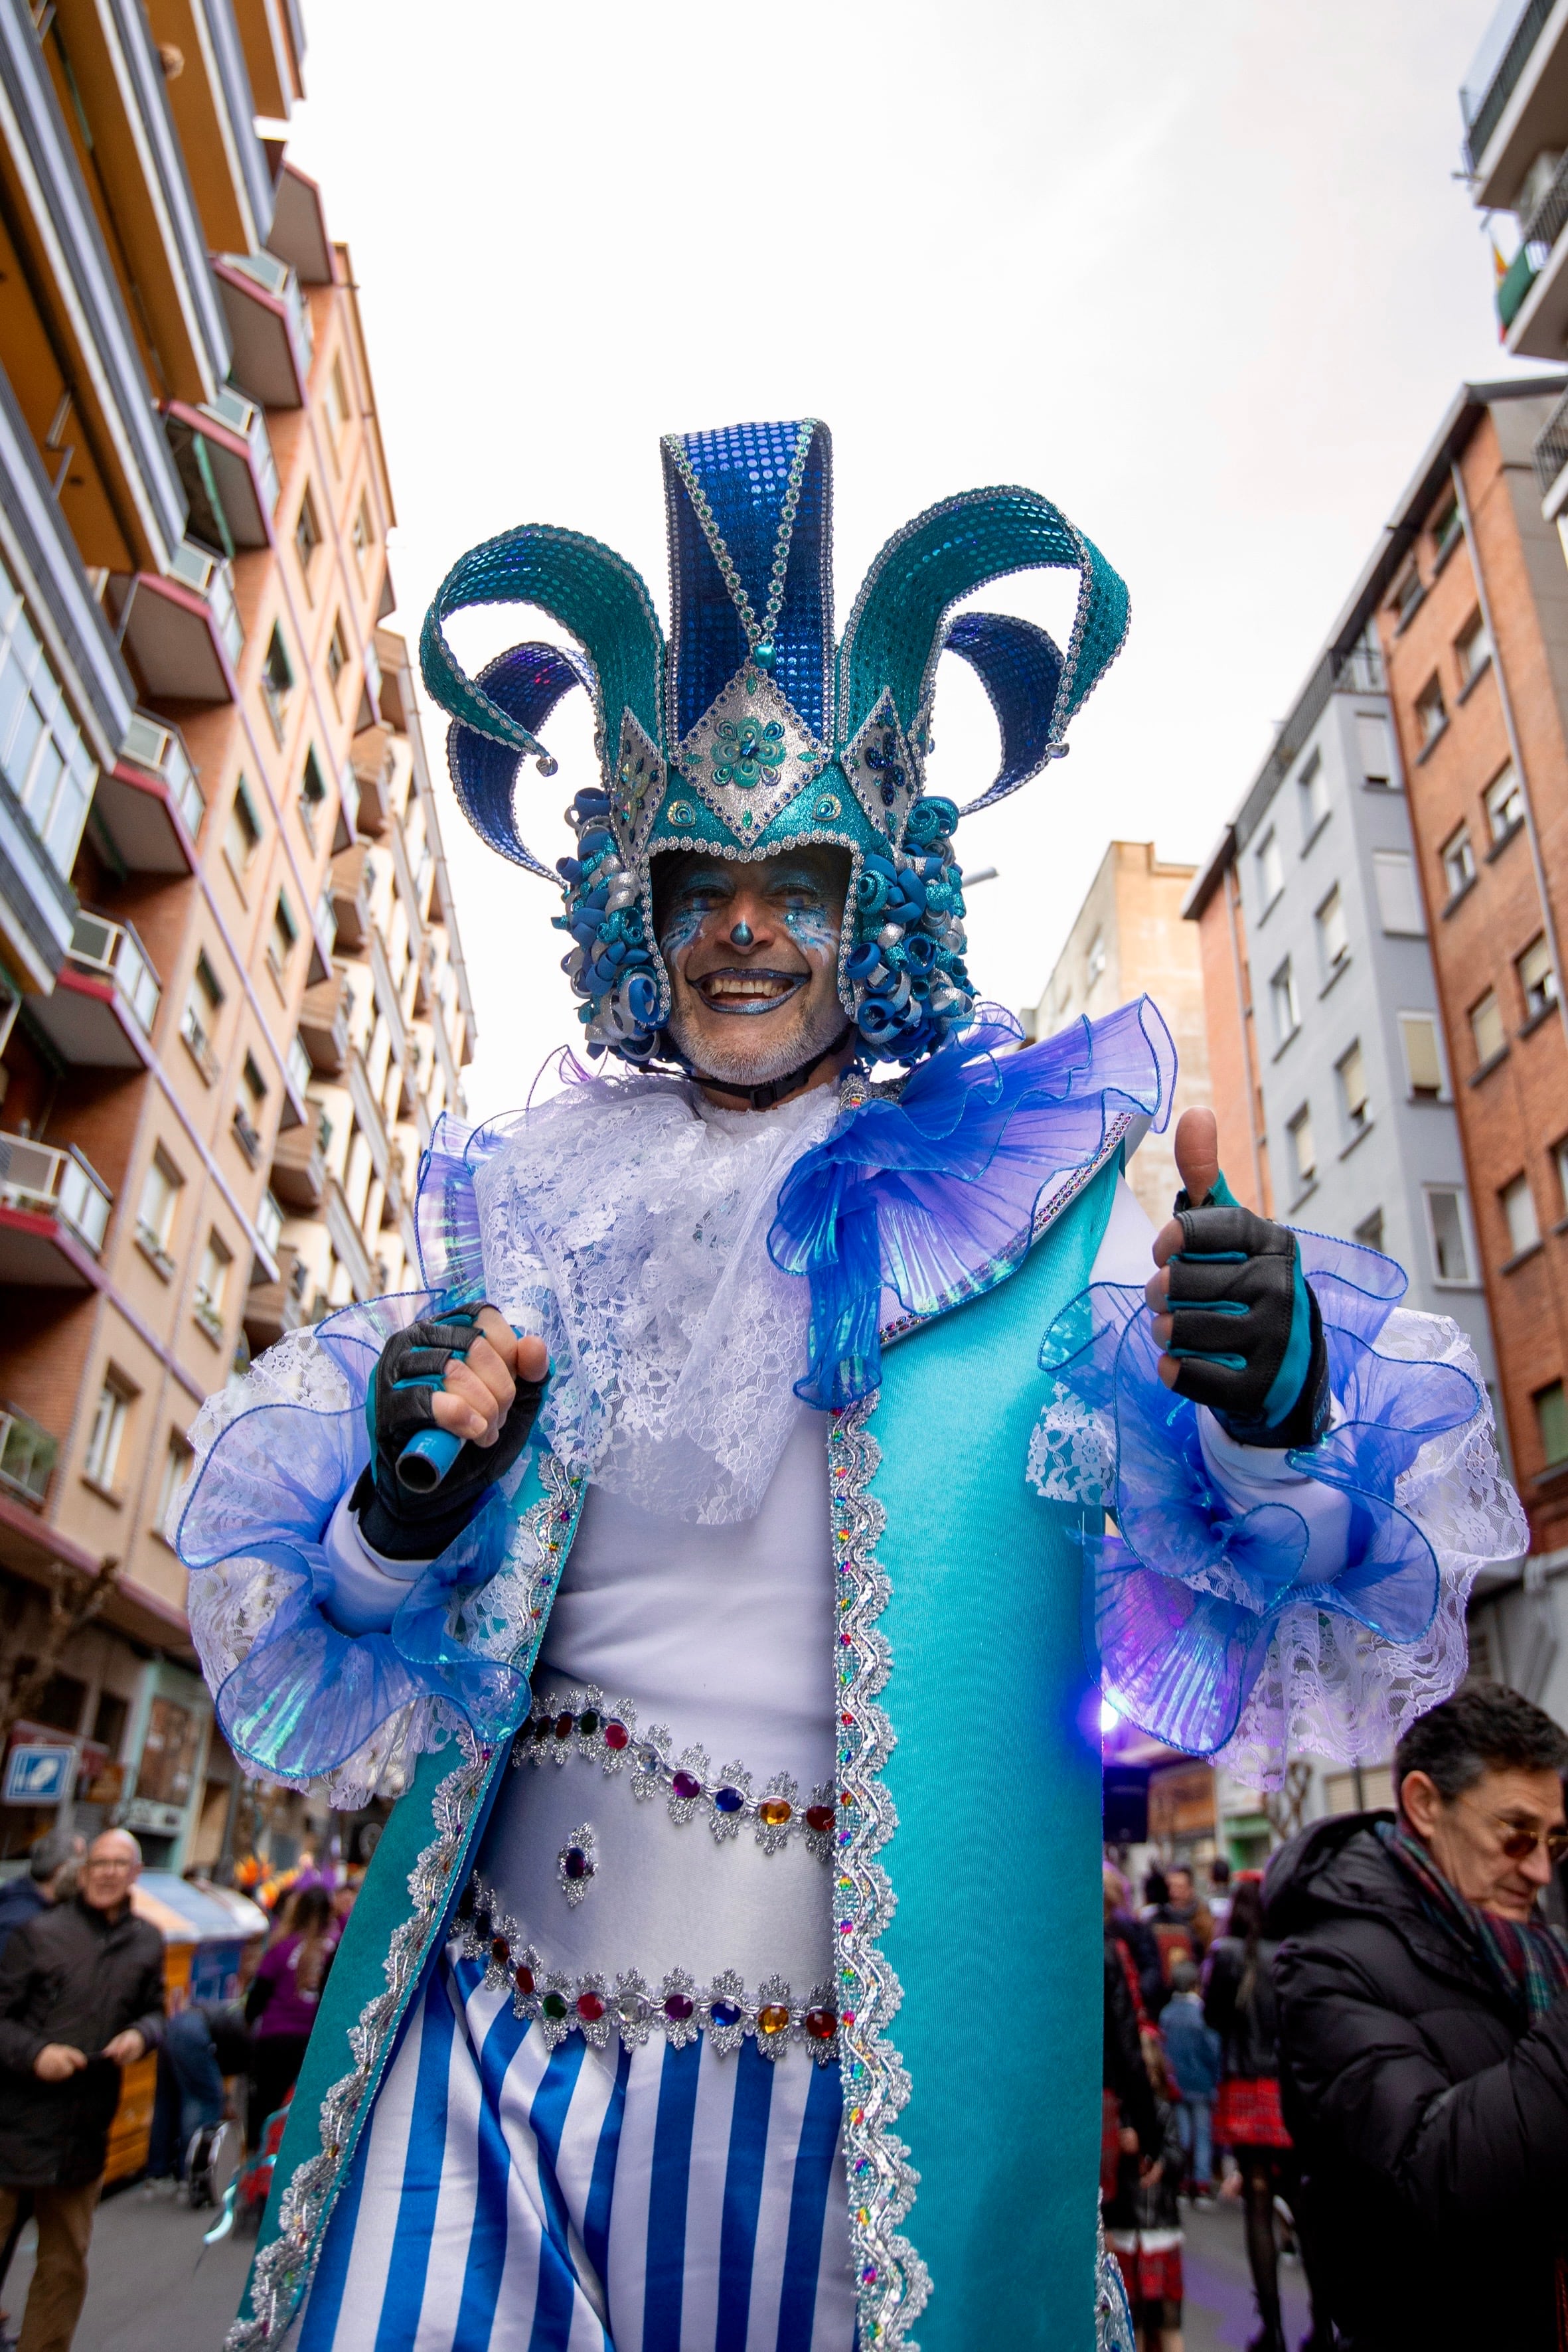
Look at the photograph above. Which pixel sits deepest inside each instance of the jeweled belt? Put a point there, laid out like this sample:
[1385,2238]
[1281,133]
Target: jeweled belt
[582,1724]
[597,2006]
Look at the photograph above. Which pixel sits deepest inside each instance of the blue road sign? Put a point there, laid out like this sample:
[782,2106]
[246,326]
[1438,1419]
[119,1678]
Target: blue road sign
[39,1776]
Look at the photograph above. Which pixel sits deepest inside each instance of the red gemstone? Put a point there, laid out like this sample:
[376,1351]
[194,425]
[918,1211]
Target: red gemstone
[616,1735]
[563,1724]
[590,2007]
[686,1785]
[523,1980]
[500,1949]
[819,1817]
[821,2025]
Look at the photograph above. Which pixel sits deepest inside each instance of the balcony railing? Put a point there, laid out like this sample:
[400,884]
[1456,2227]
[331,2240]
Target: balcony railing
[27,1455]
[270,1224]
[199,1045]
[249,420]
[161,751]
[278,280]
[117,955]
[1550,450]
[60,1183]
[1485,101]
[246,1136]
[211,578]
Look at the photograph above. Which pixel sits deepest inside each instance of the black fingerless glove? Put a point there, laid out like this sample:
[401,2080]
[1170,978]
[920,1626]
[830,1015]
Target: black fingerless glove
[394,1519]
[1246,1327]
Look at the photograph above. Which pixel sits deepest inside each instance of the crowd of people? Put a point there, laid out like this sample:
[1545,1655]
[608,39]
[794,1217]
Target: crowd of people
[1366,2045]
[82,1996]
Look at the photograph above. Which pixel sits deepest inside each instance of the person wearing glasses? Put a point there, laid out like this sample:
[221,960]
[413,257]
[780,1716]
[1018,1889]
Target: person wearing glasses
[1424,2037]
[81,1997]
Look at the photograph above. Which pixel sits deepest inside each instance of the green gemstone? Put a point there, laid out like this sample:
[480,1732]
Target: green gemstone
[553,2005]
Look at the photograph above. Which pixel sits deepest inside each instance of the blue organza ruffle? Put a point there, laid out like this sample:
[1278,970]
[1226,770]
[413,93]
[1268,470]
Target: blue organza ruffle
[1184,1593]
[933,1196]
[305,1698]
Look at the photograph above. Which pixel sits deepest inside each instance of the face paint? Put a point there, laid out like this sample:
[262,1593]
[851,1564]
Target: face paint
[812,928]
[694,902]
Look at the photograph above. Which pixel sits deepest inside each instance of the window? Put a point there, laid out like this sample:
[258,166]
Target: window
[1431,717]
[312,792]
[1394,872]
[242,835]
[1559,1161]
[108,1434]
[1517,1202]
[1505,806]
[1407,595]
[1270,870]
[277,680]
[1334,940]
[1537,981]
[177,1470]
[169,1752]
[1313,787]
[44,759]
[199,1023]
[1303,1150]
[1448,1227]
[285,931]
[255,1084]
[1369,1233]
[211,1283]
[1287,1011]
[1423,1057]
[1552,1422]
[1352,1068]
[1376,747]
[1447,528]
[1459,862]
[155,1217]
[306,533]
[337,407]
[360,534]
[1486,1029]
[1472,649]
[337,652]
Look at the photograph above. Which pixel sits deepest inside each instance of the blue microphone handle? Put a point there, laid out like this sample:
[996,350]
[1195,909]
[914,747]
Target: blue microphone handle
[426,1458]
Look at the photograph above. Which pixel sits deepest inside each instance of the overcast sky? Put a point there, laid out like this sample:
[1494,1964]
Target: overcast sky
[1200,274]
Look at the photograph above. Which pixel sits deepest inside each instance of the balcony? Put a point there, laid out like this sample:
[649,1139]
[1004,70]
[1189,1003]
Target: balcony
[54,1213]
[1532,296]
[269,1224]
[224,452]
[373,776]
[105,1001]
[181,630]
[215,116]
[299,234]
[247,1135]
[269,321]
[149,803]
[299,1165]
[271,1309]
[324,1025]
[350,899]
[27,1455]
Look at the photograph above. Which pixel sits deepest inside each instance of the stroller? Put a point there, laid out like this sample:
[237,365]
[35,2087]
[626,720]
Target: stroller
[243,2199]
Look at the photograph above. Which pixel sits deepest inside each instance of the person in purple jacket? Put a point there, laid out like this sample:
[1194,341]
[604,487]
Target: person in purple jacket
[280,2006]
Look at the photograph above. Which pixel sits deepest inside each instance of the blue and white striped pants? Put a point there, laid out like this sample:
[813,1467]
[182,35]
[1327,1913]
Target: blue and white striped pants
[505,2198]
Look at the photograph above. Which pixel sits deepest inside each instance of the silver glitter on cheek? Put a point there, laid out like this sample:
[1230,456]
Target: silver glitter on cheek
[684,925]
[813,930]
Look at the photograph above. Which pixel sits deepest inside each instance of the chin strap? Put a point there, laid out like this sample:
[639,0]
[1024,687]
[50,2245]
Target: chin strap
[765,1097]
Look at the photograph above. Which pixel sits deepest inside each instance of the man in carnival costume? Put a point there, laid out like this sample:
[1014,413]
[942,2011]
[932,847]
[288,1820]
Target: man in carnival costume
[802,2048]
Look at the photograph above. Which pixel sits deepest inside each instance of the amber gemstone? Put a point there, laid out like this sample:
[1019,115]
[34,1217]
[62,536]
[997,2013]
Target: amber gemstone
[500,1949]
[590,2007]
[523,1980]
[679,2006]
[616,1735]
[821,2025]
[773,2019]
[563,1726]
[686,1785]
[819,1817]
[553,2005]
[775,1811]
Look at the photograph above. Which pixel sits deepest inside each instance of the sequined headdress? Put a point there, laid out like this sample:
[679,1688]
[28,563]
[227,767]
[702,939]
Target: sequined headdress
[749,731]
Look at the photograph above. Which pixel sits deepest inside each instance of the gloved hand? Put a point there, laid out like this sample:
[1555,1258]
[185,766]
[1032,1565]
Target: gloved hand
[489,1386]
[1234,1309]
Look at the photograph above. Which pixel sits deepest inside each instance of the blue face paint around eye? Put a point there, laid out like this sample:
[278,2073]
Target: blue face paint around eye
[813,929]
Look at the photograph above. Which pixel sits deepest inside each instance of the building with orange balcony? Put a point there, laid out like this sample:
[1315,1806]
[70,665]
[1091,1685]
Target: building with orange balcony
[234,997]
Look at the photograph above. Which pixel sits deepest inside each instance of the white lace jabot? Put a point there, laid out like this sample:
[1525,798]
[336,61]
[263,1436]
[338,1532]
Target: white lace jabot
[627,1223]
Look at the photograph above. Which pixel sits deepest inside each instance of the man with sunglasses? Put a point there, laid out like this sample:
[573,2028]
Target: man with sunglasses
[1424,2037]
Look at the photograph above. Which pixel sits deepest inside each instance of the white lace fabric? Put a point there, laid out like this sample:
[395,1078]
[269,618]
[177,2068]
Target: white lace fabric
[1329,1686]
[627,1223]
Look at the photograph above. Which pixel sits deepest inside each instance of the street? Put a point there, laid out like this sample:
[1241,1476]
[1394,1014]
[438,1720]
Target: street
[155,2288]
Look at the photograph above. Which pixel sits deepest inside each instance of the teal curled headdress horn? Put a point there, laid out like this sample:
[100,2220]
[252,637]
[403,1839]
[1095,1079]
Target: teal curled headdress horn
[750,731]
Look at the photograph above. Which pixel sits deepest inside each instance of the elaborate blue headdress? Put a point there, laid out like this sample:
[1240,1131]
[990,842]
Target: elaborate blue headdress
[749,731]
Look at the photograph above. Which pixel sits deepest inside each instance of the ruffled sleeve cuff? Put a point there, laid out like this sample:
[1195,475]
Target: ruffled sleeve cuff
[298,1695]
[1245,1608]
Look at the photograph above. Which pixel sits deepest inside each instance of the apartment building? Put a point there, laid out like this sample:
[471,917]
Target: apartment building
[233,998]
[1128,939]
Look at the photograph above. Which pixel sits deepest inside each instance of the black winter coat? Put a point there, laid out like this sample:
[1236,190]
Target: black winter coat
[1431,2126]
[1241,2009]
[77,1976]
[1124,2071]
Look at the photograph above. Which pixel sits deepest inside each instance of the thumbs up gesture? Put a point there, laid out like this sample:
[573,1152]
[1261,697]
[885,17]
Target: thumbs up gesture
[1233,1310]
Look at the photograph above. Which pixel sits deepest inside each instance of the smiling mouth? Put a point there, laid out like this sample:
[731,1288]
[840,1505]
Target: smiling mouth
[748,991]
